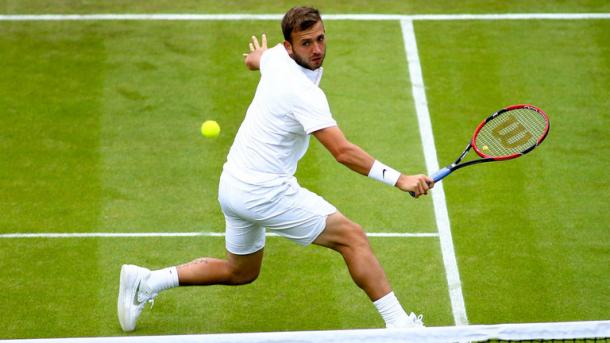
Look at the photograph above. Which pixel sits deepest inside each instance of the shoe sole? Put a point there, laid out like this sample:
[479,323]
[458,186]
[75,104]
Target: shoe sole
[127,288]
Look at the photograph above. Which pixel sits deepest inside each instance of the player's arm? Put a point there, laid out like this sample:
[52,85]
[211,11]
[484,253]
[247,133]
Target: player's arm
[252,60]
[358,160]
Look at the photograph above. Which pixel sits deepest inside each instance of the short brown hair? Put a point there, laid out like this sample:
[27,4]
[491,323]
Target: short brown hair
[299,19]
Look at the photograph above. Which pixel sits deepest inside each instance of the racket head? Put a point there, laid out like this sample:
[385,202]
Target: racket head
[510,132]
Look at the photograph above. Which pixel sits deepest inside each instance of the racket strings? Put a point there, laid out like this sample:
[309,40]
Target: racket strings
[511,132]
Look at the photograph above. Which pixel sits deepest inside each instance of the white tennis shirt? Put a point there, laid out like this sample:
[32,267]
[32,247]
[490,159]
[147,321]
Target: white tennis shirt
[287,107]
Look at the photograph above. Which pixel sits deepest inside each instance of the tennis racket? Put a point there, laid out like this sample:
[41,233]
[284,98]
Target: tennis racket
[506,134]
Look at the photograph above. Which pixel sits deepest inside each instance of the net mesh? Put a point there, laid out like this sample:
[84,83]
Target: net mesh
[511,132]
[591,331]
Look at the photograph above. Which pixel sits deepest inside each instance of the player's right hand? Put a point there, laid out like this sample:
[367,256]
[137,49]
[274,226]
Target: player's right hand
[417,185]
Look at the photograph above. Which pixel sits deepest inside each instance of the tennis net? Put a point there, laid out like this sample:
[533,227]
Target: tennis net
[586,331]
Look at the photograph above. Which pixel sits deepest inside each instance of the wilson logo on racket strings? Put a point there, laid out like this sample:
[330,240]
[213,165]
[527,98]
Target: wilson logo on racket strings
[508,131]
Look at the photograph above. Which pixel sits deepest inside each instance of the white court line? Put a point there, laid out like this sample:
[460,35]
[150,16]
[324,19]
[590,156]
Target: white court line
[180,234]
[368,17]
[438,194]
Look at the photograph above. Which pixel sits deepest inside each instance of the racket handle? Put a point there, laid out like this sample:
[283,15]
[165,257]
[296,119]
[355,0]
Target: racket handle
[439,175]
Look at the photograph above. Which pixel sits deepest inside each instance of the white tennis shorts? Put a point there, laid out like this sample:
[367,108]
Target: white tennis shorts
[287,210]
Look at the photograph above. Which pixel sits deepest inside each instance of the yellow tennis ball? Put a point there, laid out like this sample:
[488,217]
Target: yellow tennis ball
[210,129]
[485,147]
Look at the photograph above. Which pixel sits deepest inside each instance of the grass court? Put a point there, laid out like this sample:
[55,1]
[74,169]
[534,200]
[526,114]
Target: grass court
[99,133]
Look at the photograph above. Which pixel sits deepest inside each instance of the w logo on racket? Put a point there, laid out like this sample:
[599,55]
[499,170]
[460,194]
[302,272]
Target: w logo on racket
[511,133]
[506,134]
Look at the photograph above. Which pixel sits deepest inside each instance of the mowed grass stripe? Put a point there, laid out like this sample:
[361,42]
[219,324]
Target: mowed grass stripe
[158,169]
[52,88]
[530,227]
[438,195]
[368,90]
[298,289]
[155,168]
[159,172]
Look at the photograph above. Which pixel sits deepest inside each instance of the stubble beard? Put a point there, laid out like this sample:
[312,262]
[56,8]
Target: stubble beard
[305,64]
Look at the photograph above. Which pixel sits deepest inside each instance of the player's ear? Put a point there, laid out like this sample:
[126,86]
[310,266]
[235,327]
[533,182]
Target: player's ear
[288,47]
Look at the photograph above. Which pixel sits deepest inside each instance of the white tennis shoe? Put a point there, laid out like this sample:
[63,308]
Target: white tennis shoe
[411,321]
[134,293]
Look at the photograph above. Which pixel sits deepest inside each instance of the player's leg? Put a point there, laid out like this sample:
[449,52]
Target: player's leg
[348,238]
[304,217]
[244,239]
[234,270]
[139,285]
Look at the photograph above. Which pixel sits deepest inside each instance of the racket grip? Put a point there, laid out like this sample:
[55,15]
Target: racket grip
[439,175]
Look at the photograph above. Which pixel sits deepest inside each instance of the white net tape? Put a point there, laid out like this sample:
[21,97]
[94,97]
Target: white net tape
[471,333]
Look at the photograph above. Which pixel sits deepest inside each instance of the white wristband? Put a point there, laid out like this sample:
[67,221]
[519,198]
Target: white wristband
[383,173]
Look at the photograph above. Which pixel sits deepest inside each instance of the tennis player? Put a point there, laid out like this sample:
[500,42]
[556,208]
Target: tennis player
[258,190]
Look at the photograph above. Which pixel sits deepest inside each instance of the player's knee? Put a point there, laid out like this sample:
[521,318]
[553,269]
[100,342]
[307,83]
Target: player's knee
[243,277]
[355,238]
[359,237]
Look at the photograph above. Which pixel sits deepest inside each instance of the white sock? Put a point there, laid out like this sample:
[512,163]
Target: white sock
[162,279]
[390,310]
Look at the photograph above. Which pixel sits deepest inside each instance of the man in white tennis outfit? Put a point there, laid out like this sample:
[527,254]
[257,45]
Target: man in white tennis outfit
[258,190]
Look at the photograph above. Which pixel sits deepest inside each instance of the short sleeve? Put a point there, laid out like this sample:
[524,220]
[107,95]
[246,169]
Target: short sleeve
[312,111]
[270,56]
[264,60]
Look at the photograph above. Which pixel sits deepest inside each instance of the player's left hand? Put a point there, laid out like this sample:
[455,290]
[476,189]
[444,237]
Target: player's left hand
[252,59]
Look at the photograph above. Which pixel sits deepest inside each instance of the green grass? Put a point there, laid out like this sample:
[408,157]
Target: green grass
[152,171]
[100,133]
[50,107]
[139,126]
[540,225]
[72,284]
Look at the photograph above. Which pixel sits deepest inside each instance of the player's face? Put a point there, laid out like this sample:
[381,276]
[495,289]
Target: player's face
[308,47]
